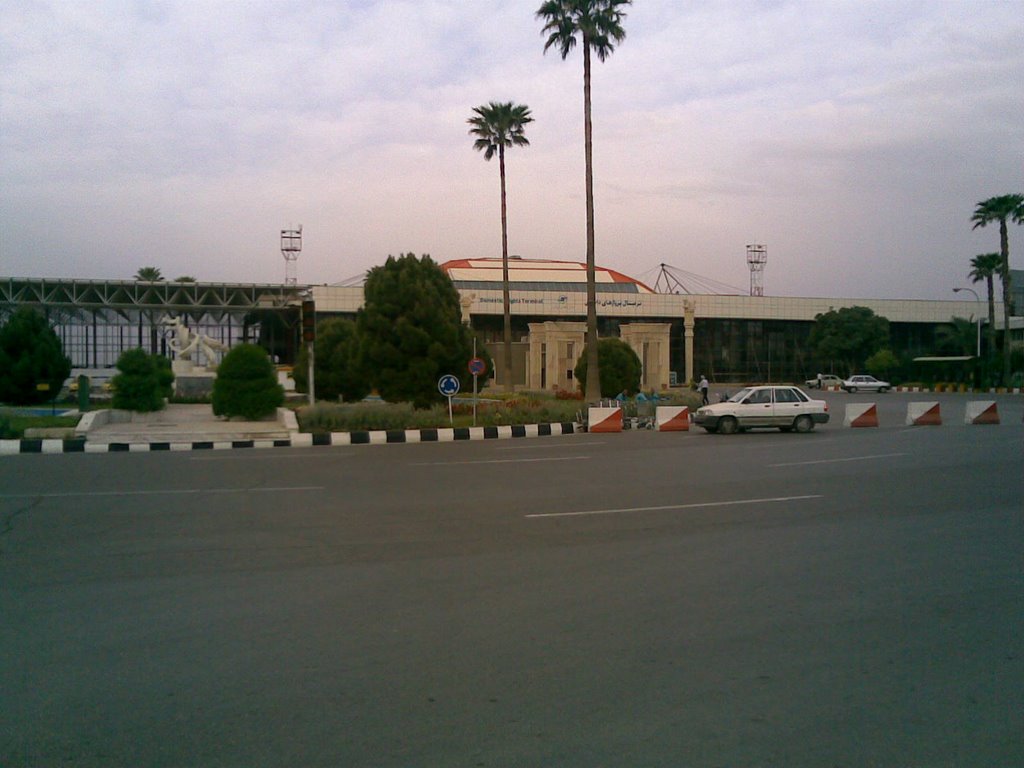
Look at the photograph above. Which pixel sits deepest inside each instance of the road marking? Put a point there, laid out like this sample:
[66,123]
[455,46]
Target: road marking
[168,492]
[530,446]
[734,503]
[494,461]
[837,461]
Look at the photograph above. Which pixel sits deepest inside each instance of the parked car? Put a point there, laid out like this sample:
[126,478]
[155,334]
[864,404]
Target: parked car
[784,407]
[865,383]
[823,380]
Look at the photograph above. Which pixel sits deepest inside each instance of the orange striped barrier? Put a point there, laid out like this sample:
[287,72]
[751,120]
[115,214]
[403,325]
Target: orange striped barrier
[924,415]
[672,418]
[604,419]
[981,412]
[861,415]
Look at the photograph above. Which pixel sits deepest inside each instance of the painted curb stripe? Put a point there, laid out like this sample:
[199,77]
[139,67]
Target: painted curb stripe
[298,440]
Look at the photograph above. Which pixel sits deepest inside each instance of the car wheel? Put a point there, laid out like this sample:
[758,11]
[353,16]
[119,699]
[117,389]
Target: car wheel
[883,389]
[852,390]
[728,425]
[803,423]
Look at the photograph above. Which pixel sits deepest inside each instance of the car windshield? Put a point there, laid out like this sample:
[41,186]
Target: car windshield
[739,396]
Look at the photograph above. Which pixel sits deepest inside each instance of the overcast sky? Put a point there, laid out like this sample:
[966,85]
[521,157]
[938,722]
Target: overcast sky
[853,139]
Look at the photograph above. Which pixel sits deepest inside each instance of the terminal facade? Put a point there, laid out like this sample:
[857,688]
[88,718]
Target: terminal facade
[677,336]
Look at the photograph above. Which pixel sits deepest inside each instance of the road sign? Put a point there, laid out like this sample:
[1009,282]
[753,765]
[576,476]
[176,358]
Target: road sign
[477,366]
[448,385]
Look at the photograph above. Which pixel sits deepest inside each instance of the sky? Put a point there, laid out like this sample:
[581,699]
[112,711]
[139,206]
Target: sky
[852,139]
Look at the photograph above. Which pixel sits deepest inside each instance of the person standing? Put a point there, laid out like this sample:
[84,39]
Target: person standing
[703,387]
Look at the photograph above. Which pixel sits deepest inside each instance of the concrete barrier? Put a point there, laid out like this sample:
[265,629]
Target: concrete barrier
[861,415]
[981,412]
[672,418]
[924,415]
[604,420]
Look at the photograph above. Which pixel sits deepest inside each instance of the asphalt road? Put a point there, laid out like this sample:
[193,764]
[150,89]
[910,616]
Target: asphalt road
[850,597]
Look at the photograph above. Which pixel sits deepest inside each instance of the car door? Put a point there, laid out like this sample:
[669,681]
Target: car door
[788,405]
[756,409]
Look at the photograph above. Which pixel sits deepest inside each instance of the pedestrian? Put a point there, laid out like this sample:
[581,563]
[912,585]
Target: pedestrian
[703,387]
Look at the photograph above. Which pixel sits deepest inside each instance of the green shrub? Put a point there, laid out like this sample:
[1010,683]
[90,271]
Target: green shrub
[141,384]
[619,366]
[246,384]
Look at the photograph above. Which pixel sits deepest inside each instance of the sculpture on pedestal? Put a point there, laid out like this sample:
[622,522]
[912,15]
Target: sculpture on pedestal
[186,342]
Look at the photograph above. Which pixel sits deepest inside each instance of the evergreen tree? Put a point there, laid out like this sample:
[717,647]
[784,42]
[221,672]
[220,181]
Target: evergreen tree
[849,336]
[336,362]
[30,354]
[411,331]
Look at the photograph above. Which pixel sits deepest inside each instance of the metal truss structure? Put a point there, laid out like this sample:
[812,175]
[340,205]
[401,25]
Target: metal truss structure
[97,320]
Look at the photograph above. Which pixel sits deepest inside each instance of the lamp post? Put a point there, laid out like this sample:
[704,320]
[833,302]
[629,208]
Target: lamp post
[978,315]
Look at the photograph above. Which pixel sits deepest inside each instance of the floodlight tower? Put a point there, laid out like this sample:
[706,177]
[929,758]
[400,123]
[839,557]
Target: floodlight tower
[291,245]
[757,257]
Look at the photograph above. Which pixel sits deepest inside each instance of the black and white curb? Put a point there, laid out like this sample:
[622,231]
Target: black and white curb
[296,440]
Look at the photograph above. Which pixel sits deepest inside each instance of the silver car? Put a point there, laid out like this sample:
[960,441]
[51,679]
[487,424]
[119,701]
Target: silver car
[865,383]
[786,408]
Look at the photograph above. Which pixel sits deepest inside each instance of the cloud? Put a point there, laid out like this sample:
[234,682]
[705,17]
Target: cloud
[853,138]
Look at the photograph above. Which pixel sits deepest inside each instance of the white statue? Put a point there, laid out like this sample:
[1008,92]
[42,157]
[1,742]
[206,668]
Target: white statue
[185,342]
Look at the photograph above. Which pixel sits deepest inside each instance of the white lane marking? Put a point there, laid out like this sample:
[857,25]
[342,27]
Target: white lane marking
[530,446]
[494,461]
[837,461]
[167,492]
[734,503]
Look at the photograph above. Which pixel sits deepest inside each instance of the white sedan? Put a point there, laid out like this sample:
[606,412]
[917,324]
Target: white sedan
[784,407]
[865,383]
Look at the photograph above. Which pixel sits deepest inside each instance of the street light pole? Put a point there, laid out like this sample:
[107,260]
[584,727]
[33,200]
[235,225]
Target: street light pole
[978,315]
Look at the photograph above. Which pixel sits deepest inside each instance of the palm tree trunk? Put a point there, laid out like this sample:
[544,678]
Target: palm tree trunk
[506,298]
[991,317]
[592,392]
[1004,276]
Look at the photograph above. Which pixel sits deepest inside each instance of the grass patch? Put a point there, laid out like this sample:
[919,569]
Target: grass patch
[13,425]
[356,417]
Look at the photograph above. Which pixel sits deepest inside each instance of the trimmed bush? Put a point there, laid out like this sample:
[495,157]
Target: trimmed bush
[246,384]
[142,383]
[619,366]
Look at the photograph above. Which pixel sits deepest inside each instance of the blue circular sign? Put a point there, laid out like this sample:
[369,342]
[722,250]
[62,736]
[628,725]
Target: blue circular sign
[477,366]
[448,385]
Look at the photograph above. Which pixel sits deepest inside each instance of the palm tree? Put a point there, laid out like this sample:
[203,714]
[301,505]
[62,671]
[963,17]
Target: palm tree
[149,275]
[599,25]
[985,266]
[497,126]
[986,212]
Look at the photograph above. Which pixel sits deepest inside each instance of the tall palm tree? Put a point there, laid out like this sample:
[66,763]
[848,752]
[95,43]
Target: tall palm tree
[497,126]
[599,25]
[987,212]
[985,266]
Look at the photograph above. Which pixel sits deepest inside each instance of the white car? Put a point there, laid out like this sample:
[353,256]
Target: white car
[823,381]
[865,383]
[784,407]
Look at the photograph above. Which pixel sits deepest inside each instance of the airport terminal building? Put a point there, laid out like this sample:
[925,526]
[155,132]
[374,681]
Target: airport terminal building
[677,335]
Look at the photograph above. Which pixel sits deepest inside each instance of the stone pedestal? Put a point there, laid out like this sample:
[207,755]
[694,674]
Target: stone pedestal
[182,367]
[198,383]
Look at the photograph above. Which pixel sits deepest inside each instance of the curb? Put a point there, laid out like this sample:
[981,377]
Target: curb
[297,440]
